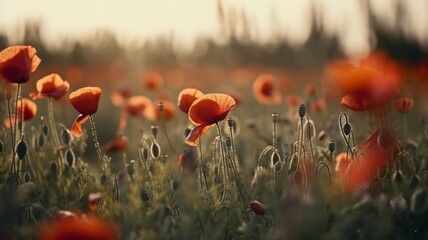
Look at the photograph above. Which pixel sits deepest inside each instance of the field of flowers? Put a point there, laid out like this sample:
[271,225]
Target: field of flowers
[202,152]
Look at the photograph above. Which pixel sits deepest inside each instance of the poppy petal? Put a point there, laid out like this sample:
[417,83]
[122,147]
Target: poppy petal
[211,108]
[76,129]
[195,134]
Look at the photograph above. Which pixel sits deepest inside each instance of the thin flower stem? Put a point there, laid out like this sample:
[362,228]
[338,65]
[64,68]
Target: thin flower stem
[200,164]
[97,144]
[223,164]
[55,133]
[166,134]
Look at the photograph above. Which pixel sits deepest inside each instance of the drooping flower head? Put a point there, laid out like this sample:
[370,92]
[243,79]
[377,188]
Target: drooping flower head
[186,97]
[26,110]
[51,85]
[265,91]
[207,110]
[17,63]
[85,100]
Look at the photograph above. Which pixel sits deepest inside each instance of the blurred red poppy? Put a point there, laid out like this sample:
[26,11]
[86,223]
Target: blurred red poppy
[51,85]
[116,145]
[310,90]
[169,110]
[152,81]
[187,160]
[207,110]
[85,100]
[265,91]
[343,162]
[137,106]
[186,97]
[370,83]
[120,95]
[404,104]
[318,105]
[294,100]
[17,63]
[80,227]
[26,110]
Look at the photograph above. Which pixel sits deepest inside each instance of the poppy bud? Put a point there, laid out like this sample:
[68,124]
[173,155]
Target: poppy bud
[154,130]
[331,146]
[21,149]
[69,157]
[257,207]
[103,179]
[145,154]
[54,168]
[1,146]
[175,184]
[27,176]
[161,106]
[274,158]
[302,110]
[66,137]
[45,130]
[40,141]
[155,150]
[144,195]
[347,128]
[131,167]
[275,117]
[230,122]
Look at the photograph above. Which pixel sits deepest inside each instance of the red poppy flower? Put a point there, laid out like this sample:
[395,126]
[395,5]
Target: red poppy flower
[264,90]
[207,110]
[17,63]
[81,227]
[27,110]
[404,104]
[379,149]
[116,145]
[318,106]
[367,84]
[137,106]
[310,90]
[293,100]
[169,110]
[187,160]
[85,100]
[186,97]
[152,81]
[342,163]
[51,85]
[120,95]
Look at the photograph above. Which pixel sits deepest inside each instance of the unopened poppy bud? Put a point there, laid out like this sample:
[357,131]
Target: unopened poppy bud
[275,117]
[54,168]
[66,137]
[1,146]
[27,176]
[274,158]
[419,201]
[145,154]
[69,157]
[228,142]
[40,141]
[45,130]
[103,179]
[131,167]
[302,110]
[331,146]
[258,207]
[154,130]
[155,150]
[144,195]
[175,184]
[347,128]
[161,106]
[21,149]
[230,122]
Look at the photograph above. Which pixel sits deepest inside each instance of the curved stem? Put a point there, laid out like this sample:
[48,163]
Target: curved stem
[328,171]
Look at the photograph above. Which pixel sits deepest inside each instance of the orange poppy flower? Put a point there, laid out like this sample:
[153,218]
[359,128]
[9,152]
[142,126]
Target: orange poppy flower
[264,90]
[80,227]
[27,110]
[379,149]
[120,95]
[310,90]
[17,63]
[404,104]
[85,100]
[152,81]
[342,163]
[51,85]
[294,100]
[137,106]
[318,106]
[367,84]
[186,97]
[116,145]
[207,110]
[169,110]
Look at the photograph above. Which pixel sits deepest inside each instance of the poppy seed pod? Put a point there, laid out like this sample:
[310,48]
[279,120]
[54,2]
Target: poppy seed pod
[155,150]
[275,117]
[131,167]
[302,111]
[347,128]
[161,107]
[21,149]
[331,146]
[154,130]
[144,195]
[54,168]
[1,146]
[228,142]
[66,137]
[27,176]
[70,157]
[230,122]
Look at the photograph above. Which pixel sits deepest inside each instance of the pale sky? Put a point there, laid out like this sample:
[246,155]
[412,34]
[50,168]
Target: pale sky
[187,19]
